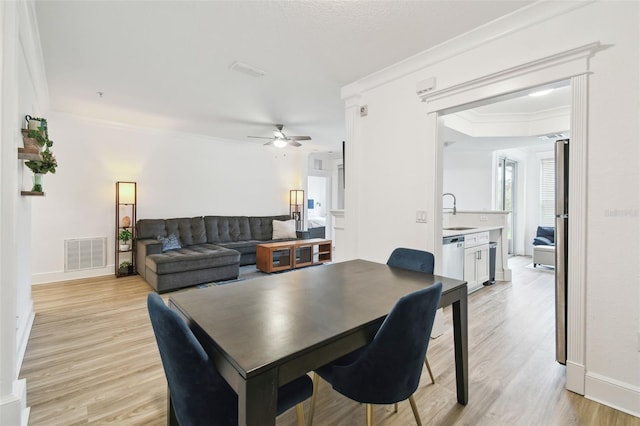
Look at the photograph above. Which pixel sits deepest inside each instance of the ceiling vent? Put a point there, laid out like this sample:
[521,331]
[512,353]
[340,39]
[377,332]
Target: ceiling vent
[246,69]
[553,136]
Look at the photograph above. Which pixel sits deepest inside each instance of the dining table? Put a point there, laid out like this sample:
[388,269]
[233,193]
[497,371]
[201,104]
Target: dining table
[264,332]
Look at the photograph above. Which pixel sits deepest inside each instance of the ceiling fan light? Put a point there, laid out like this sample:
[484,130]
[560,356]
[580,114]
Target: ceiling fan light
[279,143]
[278,134]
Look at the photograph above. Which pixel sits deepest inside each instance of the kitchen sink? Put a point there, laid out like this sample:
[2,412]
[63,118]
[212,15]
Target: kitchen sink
[459,228]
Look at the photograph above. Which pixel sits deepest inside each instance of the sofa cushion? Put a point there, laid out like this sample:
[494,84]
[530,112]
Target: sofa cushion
[169,243]
[190,258]
[242,246]
[284,229]
[190,231]
[223,229]
[150,228]
[262,226]
[542,241]
[547,232]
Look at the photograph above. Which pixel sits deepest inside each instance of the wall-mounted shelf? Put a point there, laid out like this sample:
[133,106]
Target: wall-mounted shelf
[32,193]
[26,155]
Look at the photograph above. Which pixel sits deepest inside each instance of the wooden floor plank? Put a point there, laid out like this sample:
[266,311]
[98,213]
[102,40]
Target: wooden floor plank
[92,359]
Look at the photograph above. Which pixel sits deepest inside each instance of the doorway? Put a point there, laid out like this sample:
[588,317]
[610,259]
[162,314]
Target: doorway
[507,196]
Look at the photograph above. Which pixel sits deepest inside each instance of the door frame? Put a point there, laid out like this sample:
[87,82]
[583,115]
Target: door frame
[570,65]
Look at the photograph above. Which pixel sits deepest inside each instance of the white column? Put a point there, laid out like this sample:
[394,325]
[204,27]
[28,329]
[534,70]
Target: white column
[13,398]
[349,250]
[576,267]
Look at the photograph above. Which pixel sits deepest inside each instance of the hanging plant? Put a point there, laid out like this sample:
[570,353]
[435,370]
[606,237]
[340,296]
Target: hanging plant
[48,163]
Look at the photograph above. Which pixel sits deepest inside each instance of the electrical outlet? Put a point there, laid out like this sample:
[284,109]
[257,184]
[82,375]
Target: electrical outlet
[484,218]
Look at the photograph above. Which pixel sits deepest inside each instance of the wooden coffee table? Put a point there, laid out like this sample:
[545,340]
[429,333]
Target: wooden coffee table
[284,255]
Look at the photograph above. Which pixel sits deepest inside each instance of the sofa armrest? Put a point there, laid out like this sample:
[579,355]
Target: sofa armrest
[145,248]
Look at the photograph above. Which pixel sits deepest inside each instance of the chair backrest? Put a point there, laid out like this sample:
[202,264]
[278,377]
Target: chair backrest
[389,369]
[200,396]
[415,260]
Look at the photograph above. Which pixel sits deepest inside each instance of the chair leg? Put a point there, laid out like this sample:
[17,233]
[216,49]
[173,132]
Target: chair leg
[300,414]
[395,407]
[369,414]
[414,407]
[426,363]
[316,384]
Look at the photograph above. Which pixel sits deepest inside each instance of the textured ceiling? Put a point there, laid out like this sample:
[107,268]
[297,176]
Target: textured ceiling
[165,64]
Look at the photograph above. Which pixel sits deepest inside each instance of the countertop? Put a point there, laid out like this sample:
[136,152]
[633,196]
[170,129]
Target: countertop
[451,233]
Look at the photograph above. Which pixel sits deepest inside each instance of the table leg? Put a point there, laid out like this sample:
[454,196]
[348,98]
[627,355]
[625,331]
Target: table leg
[460,339]
[258,399]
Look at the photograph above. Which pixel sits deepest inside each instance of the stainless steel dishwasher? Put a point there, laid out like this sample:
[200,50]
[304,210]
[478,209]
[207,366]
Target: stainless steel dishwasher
[453,257]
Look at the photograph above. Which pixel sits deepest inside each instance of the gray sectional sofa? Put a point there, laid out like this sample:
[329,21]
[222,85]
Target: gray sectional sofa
[212,248]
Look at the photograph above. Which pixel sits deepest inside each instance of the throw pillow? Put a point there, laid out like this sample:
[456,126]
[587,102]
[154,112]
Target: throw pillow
[284,229]
[542,241]
[169,243]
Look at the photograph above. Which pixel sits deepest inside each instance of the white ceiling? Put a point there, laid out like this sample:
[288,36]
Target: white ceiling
[514,111]
[165,64]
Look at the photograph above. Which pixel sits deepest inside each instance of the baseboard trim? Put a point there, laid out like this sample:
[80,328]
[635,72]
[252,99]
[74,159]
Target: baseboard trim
[621,396]
[13,407]
[24,337]
[58,276]
[575,377]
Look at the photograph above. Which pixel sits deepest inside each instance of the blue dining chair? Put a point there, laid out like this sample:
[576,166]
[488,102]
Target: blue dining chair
[199,394]
[387,370]
[414,260]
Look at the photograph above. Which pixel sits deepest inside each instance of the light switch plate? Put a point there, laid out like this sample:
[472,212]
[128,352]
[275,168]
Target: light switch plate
[421,216]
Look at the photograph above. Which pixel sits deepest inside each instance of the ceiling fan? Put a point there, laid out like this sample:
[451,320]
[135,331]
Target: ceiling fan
[280,140]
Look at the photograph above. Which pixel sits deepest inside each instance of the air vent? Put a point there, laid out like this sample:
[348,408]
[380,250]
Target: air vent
[246,69]
[85,253]
[553,136]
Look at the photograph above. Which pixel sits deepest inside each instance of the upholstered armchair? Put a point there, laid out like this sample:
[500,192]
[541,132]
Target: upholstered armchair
[387,370]
[414,260]
[199,395]
[544,249]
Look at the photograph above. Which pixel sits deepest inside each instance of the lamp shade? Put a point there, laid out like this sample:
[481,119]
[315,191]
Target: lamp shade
[126,192]
[296,197]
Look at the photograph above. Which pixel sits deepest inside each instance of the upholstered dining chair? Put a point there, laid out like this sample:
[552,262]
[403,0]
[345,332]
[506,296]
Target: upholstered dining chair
[199,394]
[387,370]
[414,260]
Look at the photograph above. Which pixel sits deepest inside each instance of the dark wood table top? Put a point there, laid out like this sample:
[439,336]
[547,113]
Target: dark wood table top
[265,322]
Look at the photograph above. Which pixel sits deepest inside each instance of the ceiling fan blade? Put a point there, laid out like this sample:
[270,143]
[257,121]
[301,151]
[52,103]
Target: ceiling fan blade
[269,143]
[259,137]
[299,138]
[294,143]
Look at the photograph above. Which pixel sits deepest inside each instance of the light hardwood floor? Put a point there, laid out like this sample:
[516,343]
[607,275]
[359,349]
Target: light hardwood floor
[92,359]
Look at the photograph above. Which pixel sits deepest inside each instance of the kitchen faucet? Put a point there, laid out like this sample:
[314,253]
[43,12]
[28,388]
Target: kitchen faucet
[454,200]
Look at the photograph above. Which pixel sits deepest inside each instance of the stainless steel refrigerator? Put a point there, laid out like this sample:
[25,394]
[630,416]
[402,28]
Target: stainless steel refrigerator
[562,220]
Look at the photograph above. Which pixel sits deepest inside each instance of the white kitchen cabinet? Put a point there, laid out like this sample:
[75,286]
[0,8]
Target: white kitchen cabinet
[476,260]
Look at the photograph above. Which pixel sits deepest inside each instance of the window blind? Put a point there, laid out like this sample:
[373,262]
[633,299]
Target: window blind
[547,192]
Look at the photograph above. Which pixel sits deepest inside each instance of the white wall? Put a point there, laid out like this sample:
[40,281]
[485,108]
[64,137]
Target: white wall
[410,166]
[23,91]
[468,175]
[178,175]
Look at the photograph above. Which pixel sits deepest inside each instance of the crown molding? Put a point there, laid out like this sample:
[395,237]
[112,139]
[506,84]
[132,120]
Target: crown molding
[502,27]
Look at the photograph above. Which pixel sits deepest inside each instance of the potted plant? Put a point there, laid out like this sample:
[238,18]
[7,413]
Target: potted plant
[124,236]
[125,268]
[37,123]
[47,164]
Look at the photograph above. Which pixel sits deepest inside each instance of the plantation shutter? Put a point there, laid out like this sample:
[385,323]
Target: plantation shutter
[547,192]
